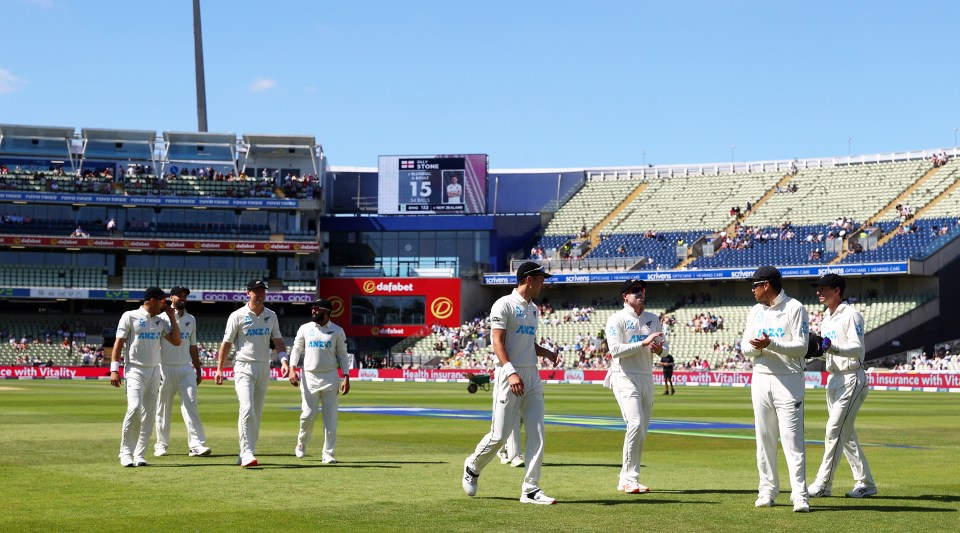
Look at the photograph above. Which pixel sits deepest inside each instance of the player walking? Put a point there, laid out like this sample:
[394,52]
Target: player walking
[842,332]
[181,371]
[251,328]
[138,340]
[323,346]
[634,335]
[775,336]
[517,388]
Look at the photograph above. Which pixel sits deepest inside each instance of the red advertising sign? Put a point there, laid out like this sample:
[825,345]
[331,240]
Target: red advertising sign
[103,372]
[392,307]
[159,244]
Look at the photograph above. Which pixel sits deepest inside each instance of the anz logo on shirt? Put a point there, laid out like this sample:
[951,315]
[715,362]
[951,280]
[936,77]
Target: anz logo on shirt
[635,338]
[257,332]
[320,344]
[148,335]
[526,330]
[771,332]
[184,334]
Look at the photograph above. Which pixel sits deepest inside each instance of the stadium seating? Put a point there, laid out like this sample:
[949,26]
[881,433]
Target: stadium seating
[685,343]
[209,280]
[53,276]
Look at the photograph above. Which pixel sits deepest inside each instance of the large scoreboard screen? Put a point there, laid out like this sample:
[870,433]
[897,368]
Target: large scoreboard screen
[430,184]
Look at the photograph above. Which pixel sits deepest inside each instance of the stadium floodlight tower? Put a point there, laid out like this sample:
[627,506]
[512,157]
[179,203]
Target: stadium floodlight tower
[198,62]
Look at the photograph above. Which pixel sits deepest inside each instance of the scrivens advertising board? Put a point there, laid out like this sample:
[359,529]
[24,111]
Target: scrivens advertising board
[392,307]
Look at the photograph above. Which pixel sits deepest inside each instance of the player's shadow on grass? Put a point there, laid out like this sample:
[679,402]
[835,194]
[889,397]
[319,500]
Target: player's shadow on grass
[881,508]
[709,491]
[561,465]
[945,498]
[637,500]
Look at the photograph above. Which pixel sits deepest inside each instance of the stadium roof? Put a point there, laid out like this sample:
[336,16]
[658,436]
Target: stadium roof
[39,141]
[110,135]
[201,147]
[274,145]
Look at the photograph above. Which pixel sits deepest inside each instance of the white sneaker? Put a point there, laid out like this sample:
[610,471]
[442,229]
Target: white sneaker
[126,461]
[801,506]
[300,451]
[632,487]
[818,491]
[328,459]
[140,461]
[249,462]
[200,451]
[160,451]
[862,491]
[517,462]
[538,497]
[470,480]
[765,500]
[502,454]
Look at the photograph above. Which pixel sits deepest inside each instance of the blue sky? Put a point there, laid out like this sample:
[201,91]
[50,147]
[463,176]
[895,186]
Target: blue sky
[534,84]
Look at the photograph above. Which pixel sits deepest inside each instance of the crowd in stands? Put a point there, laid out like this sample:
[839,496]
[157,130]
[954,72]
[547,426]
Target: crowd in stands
[939,159]
[940,362]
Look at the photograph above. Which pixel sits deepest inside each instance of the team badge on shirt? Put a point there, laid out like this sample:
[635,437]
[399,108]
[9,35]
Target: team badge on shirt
[143,323]
[519,312]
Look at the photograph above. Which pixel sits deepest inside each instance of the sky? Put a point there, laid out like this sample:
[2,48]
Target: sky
[531,83]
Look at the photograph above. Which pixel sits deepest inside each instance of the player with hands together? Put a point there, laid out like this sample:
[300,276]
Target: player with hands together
[634,335]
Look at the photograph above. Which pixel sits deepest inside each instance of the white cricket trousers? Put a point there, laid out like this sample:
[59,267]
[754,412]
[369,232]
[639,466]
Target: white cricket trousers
[512,447]
[778,413]
[845,394]
[507,408]
[634,393]
[319,389]
[251,381]
[142,386]
[182,379]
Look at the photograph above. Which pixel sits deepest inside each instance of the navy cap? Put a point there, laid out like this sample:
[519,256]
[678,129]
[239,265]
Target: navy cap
[154,293]
[628,284]
[831,280]
[530,268]
[766,273]
[324,304]
[257,284]
[177,289]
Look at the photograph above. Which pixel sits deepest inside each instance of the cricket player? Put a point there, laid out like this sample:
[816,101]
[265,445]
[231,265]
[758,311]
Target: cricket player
[454,191]
[776,337]
[517,388]
[634,335]
[181,371]
[250,329]
[138,340]
[842,332]
[323,346]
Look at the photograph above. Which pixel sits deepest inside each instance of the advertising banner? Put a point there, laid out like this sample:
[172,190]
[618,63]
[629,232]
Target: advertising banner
[103,372]
[392,307]
[168,201]
[811,271]
[159,244]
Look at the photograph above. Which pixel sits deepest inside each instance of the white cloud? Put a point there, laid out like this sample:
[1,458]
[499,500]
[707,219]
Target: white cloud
[262,84]
[8,82]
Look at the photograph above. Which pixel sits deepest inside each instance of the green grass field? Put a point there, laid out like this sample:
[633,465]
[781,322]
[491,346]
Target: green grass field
[59,469]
